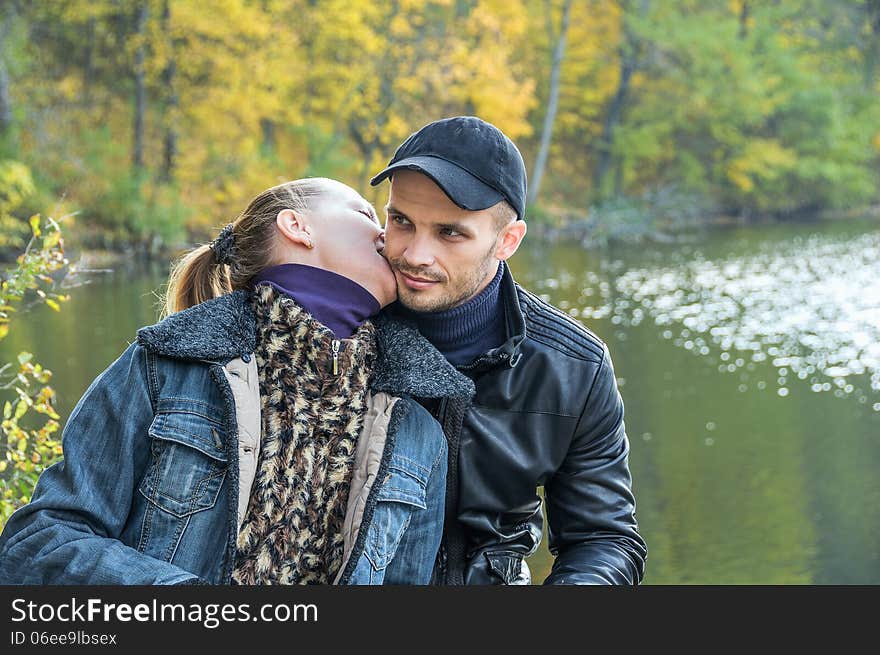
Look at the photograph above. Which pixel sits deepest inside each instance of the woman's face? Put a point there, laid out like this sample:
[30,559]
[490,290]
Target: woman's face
[349,241]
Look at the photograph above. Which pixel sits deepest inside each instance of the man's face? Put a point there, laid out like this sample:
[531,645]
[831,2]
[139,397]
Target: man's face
[441,255]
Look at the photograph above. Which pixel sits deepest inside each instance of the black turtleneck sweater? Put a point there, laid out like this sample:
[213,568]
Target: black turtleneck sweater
[465,332]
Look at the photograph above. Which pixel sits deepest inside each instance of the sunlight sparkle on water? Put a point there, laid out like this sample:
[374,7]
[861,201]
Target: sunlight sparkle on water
[810,306]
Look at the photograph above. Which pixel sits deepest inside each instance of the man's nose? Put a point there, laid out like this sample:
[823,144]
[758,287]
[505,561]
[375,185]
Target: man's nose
[418,253]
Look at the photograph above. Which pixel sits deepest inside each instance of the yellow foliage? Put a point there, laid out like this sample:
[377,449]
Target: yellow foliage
[16,184]
[268,91]
[590,71]
[763,159]
[69,88]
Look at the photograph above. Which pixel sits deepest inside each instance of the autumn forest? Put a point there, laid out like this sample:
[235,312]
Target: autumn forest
[156,120]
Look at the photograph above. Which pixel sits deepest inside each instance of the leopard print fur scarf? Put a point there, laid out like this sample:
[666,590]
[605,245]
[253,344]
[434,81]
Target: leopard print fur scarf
[311,420]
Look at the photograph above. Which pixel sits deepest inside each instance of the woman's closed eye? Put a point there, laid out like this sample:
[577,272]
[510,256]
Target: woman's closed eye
[369,215]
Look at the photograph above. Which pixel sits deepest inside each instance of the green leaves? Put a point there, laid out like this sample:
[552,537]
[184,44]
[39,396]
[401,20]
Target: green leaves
[764,115]
[26,443]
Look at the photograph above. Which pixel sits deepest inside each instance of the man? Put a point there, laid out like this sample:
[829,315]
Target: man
[547,410]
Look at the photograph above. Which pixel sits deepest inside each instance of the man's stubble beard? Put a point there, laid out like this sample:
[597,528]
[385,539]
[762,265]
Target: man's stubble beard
[471,286]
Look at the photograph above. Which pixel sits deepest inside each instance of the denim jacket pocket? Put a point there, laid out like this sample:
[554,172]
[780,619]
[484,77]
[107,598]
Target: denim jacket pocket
[188,465]
[402,493]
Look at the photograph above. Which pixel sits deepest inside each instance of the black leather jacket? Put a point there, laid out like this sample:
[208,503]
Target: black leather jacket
[546,412]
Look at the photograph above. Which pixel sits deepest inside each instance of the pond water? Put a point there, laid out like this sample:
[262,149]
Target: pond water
[749,363]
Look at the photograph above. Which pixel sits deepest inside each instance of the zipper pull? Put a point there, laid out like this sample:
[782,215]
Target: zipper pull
[335,346]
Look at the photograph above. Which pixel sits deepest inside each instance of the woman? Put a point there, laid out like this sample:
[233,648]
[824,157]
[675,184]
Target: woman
[263,432]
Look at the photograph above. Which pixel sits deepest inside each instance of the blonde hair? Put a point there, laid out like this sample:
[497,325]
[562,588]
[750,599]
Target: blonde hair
[197,276]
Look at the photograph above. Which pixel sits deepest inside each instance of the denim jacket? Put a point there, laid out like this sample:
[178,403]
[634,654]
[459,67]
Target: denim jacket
[161,451]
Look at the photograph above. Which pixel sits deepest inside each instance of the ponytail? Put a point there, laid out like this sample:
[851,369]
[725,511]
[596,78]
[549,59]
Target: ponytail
[195,278]
[247,246]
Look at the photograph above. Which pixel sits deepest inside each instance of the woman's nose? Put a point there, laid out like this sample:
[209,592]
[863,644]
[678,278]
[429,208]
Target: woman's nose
[380,241]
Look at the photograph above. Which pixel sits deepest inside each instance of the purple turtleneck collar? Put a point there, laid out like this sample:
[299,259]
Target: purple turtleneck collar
[332,299]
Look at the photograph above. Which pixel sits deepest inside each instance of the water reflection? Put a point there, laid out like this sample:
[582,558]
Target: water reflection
[810,306]
[748,365]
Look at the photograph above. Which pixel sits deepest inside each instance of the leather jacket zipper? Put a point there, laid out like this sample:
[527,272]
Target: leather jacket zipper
[487,360]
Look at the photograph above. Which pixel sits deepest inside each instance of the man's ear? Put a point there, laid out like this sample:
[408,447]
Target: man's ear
[295,227]
[509,238]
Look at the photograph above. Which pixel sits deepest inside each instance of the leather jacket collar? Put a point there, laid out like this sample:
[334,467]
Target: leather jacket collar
[507,353]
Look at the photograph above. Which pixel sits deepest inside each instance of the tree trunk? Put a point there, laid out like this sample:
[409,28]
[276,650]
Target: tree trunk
[390,70]
[628,64]
[140,97]
[169,145]
[89,66]
[612,119]
[618,177]
[744,20]
[5,100]
[872,54]
[267,126]
[552,106]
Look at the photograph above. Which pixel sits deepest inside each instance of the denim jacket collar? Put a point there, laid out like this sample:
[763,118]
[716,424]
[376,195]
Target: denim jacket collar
[224,328]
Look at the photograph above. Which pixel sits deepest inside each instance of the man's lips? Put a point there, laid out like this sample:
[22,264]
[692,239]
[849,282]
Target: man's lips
[416,282]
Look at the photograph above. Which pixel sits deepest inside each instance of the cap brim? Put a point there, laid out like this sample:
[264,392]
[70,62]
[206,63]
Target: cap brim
[465,190]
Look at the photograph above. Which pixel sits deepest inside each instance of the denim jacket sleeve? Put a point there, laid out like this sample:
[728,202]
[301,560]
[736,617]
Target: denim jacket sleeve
[69,532]
[590,504]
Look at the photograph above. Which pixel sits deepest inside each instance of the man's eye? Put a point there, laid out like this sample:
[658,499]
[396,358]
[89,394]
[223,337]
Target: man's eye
[449,233]
[398,220]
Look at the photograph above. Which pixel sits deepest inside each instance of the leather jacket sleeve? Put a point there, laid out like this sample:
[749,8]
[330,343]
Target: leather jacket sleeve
[495,566]
[68,532]
[590,504]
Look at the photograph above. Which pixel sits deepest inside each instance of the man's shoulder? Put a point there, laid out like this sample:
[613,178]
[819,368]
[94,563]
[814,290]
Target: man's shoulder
[553,328]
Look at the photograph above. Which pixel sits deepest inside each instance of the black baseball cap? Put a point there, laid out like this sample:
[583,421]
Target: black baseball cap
[474,163]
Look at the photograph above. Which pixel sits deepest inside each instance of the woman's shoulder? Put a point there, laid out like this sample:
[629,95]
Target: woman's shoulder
[219,328]
[410,365]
